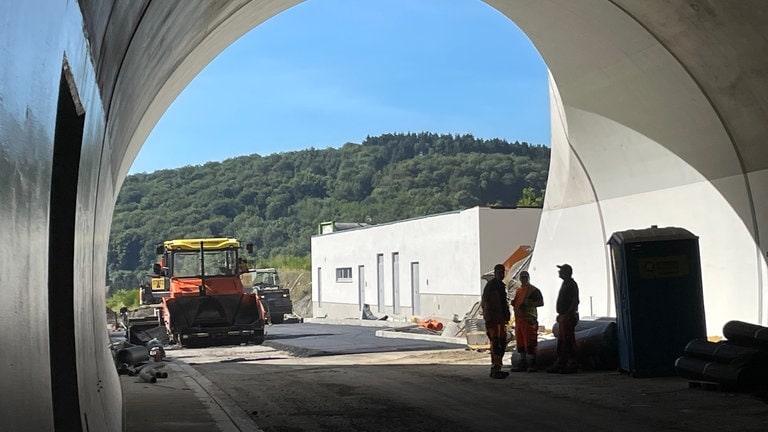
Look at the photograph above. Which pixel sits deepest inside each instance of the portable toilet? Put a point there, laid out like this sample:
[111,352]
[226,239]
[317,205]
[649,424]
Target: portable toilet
[659,297]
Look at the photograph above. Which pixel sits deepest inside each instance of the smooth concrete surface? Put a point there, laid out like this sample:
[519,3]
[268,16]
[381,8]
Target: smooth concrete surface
[645,132]
[420,336]
[185,401]
[359,322]
[389,329]
[658,119]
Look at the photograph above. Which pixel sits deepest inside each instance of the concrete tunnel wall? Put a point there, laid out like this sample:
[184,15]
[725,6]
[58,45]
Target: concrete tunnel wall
[658,118]
[647,129]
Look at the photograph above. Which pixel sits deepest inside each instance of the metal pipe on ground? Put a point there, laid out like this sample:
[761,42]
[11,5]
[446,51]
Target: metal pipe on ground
[149,372]
[146,375]
[132,355]
[743,333]
[723,352]
[702,370]
[596,347]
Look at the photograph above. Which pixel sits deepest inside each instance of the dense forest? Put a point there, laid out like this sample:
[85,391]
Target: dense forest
[277,201]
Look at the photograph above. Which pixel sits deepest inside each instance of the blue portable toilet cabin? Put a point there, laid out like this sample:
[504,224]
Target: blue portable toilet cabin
[659,297]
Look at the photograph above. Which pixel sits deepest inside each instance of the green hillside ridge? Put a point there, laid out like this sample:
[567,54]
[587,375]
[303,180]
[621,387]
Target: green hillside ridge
[277,201]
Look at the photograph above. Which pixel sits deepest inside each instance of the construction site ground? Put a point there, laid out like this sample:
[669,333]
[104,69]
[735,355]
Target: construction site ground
[252,388]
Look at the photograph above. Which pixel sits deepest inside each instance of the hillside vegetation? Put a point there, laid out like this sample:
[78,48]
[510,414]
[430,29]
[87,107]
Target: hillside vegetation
[277,201]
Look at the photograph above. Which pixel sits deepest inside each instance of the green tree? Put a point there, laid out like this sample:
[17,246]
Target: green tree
[123,298]
[277,201]
[529,198]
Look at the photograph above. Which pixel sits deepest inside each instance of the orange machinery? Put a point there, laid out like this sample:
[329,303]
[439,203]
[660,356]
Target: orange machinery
[206,303]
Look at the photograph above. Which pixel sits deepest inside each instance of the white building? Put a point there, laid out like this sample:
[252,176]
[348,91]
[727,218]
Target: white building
[424,267]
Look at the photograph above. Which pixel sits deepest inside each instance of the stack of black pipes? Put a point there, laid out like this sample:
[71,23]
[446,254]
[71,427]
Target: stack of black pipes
[739,363]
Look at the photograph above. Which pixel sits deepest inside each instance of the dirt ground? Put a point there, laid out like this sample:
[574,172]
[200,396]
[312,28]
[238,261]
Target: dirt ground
[450,390]
[300,285]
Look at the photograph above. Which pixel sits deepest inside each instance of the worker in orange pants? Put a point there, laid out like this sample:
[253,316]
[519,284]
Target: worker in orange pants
[527,299]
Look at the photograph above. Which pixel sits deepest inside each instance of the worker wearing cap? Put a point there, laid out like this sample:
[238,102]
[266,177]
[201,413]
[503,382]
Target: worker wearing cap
[567,317]
[527,299]
[496,315]
[242,266]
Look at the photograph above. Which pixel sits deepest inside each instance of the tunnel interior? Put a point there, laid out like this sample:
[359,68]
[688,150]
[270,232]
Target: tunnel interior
[660,110]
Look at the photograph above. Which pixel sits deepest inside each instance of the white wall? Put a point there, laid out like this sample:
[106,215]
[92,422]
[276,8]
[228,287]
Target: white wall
[503,231]
[446,246]
[759,194]
[605,177]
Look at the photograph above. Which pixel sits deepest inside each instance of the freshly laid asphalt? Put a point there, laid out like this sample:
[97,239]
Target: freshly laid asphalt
[318,339]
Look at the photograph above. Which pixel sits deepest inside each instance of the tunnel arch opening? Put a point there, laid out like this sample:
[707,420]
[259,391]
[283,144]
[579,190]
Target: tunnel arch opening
[604,62]
[528,52]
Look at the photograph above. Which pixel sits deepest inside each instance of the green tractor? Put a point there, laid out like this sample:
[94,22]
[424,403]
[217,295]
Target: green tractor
[276,299]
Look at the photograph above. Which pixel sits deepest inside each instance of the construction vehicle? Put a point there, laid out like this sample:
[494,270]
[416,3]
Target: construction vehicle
[143,324]
[276,299]
[206,303]
[146,321]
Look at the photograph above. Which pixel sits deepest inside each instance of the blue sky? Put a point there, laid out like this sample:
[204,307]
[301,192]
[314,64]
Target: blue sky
[328,72]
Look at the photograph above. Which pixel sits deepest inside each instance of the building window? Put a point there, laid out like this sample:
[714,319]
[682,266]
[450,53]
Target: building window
[344,274]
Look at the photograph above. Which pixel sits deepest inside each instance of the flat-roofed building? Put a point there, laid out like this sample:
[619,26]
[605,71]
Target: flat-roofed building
[425,267]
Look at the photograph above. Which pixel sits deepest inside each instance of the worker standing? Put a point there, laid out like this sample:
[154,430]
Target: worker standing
[527,299]
[146,294]
[242,266]
[567,318]
[496,315]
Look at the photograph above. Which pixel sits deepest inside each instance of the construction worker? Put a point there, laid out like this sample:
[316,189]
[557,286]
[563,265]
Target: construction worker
[146,294]
[527,299]
[242,266]
[496,315]
[567,318]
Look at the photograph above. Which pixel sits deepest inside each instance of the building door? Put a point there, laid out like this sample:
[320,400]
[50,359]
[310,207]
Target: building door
[67,149]
[319,287]
[395,282]
[361,285]
[380,280]
[416,295]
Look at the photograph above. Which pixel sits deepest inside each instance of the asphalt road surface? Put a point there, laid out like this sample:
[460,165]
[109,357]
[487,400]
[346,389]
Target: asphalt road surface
[346,381]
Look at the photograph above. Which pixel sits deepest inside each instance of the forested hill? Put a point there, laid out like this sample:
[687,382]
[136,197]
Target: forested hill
[277,201]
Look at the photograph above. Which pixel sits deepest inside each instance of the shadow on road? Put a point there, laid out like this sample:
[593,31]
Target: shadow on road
[425,397]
